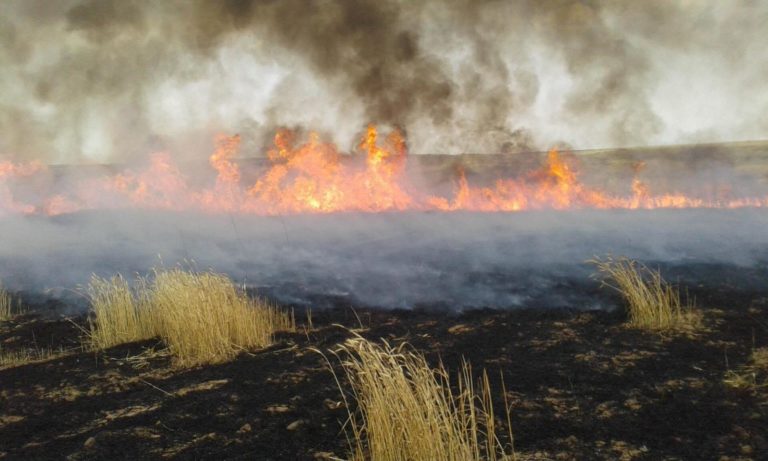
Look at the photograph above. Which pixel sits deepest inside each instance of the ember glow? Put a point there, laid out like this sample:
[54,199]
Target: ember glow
[313,176]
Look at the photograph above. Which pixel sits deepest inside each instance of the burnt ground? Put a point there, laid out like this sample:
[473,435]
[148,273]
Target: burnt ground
[581,386]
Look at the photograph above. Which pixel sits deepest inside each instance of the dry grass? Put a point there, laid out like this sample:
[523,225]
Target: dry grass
[8,307]
[201,316]
[754,375]
[9,359]
[204,318]
[119,316]
[652,302]
[6,303]
[407,410]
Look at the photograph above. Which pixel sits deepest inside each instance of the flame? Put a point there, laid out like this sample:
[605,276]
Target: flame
[312,176]
[160,186]
[554,186]
[226,194]
[9,172]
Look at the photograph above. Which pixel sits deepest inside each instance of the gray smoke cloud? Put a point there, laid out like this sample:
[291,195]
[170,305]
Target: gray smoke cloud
[451,261]
[111,80]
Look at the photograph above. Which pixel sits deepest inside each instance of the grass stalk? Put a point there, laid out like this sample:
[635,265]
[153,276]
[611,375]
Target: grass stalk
[652,303]
[118,316]
[753,376]
[9,307]
[201,316]
[408,410]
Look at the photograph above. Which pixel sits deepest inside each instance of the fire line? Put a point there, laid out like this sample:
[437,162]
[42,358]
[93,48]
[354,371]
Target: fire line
[310,177]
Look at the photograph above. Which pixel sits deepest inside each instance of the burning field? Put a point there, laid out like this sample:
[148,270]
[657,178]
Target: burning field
[383,230]
[470,259]
[312,176]
[311,226]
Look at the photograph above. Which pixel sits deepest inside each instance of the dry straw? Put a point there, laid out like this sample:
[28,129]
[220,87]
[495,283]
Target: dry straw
[6,304]
[8,307]
[201,316]
[9,359]
[407,410]
[652,302]
[752,376]
[118,316]
[204,318]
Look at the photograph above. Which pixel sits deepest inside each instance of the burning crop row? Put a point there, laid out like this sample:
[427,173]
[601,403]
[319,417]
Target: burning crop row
[314,177]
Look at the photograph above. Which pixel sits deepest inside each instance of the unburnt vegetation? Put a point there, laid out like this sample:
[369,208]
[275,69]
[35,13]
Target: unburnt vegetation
[9,307]
[202,317]
[118,315]
[25,356]
[652,302]
[753,375]
[409,410]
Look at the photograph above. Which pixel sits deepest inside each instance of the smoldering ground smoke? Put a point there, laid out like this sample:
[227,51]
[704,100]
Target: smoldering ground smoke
[109,80]
[451,261]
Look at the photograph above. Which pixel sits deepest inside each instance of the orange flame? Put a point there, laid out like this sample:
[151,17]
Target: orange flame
[10,171]
[311,177]
[554,186]
[314,177]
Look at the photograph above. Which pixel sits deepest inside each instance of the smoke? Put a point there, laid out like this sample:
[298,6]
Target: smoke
[111,80]
[449,261]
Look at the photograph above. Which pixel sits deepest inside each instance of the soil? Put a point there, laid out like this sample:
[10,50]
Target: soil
[581,385]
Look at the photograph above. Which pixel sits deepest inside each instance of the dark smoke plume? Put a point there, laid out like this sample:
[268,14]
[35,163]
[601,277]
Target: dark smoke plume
[106,80]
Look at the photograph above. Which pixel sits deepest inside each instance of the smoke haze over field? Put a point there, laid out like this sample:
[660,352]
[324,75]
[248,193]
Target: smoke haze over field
[111,80]
[449,261]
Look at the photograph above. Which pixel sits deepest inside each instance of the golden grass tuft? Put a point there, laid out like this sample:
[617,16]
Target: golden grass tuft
[204,318]
[6,304]
[9,307]
[118,316]
[652,302]
[754,375]
[201,316]
[407,410]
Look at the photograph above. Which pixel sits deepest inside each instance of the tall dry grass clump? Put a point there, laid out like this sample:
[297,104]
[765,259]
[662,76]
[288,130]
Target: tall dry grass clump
[407,410]
[118,315]
[8,306]
[652,302]
[201,316]
[204,317]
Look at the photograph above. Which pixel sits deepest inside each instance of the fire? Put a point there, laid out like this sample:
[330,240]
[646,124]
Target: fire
[554,186]
[226,195]
[8,172]
[312,176]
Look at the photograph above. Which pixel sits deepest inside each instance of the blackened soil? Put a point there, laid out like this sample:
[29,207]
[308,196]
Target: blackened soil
[581,386]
